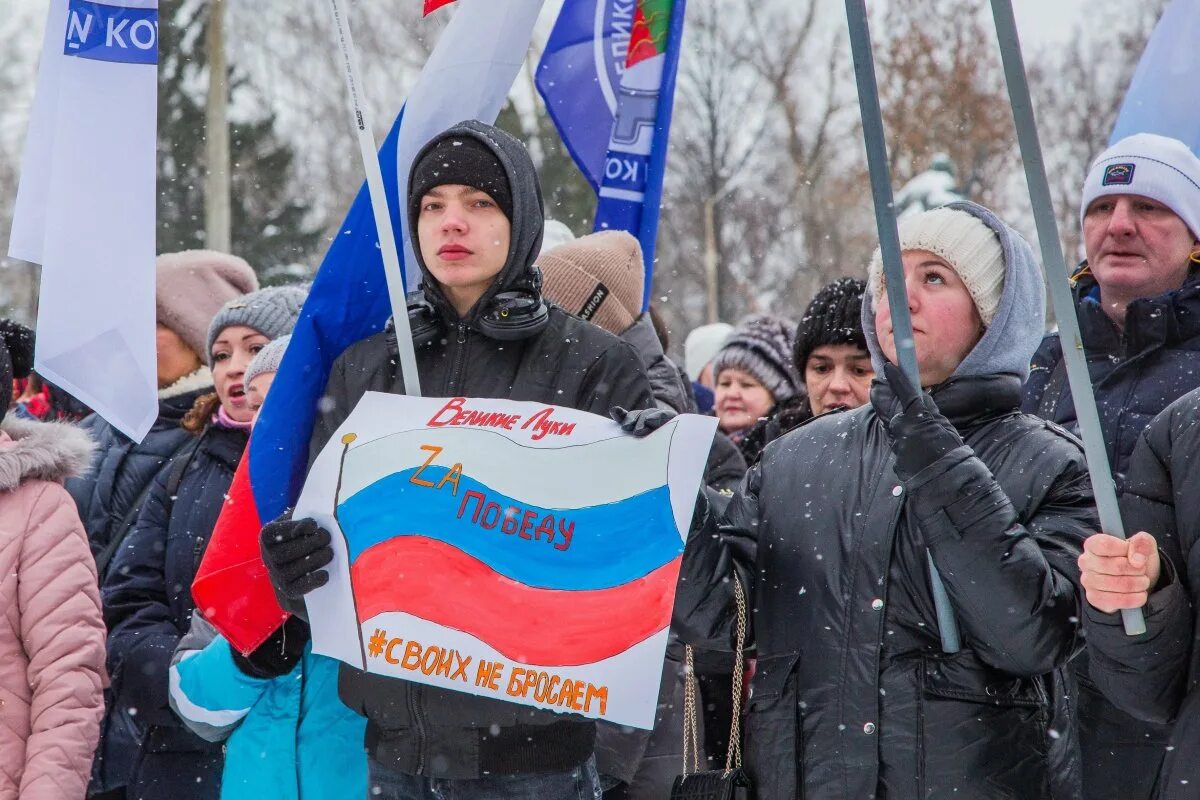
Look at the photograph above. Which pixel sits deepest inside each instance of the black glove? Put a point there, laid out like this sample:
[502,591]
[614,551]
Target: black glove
[920,434]
[641,423]
[279,654]
[294,552]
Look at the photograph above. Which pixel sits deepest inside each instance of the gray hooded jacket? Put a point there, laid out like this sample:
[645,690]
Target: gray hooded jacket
[1013,337]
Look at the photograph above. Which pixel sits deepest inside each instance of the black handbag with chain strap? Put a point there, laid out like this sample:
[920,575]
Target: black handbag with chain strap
[730,783]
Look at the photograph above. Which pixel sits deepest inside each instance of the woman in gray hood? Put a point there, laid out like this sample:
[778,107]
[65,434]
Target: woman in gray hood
[853,695]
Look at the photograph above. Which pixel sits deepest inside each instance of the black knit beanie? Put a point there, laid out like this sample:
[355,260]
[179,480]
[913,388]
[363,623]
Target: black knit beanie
[16,358]
[833,317]
[462,160]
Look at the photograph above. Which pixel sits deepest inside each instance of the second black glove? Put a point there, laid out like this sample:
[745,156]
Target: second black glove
[295,551]
[279,654]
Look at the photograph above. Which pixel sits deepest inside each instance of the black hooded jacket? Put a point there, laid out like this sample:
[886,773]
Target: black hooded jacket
[853,696]
[1154,677]
[500,349]
[1136,373]
[852,691]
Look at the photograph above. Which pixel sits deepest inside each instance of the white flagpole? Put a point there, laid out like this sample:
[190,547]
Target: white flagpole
[383,219]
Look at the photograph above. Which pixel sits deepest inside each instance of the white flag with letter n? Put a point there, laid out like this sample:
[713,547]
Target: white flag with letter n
[85,206]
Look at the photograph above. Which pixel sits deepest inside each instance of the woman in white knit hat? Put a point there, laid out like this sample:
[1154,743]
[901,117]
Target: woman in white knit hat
[831,534]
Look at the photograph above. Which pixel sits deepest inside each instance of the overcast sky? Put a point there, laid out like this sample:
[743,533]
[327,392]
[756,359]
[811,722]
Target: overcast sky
[1039,20]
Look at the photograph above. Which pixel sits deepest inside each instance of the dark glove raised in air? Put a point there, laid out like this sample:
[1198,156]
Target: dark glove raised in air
[920,434]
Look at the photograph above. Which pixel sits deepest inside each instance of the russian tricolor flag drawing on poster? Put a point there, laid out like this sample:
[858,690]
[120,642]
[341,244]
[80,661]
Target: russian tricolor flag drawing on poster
[538,538]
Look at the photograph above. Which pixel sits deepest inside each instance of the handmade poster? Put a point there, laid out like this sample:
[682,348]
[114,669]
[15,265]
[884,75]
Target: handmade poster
[512,550]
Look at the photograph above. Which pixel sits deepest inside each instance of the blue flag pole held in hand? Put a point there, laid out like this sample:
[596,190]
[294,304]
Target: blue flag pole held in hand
[1103,488]
[893,268]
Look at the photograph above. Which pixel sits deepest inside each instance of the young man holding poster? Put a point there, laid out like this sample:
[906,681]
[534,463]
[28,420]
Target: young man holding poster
[480,329]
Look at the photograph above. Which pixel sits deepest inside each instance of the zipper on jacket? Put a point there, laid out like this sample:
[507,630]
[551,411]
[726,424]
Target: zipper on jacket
[414,705]
[299,722]
[198,553]
[460,359]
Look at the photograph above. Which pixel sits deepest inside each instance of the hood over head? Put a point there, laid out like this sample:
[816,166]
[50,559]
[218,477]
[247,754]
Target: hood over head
[1009,342]
[527,216]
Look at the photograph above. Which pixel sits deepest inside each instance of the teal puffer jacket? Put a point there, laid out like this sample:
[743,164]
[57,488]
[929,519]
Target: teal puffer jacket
[288,738]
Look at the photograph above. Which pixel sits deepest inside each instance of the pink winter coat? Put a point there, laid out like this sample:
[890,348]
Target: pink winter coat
[51,630]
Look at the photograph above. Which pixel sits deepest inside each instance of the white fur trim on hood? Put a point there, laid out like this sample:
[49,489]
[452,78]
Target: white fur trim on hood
[200,379]
[49,451]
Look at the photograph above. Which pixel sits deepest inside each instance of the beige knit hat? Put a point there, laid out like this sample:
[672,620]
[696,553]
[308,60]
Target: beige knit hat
[599,277]
[193,286]
[966,244]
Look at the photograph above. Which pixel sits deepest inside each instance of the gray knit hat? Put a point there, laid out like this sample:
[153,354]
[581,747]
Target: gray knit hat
[267,360]
[272,312]
[762,346]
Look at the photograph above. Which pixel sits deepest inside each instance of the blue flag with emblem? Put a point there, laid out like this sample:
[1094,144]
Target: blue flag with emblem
[608,80]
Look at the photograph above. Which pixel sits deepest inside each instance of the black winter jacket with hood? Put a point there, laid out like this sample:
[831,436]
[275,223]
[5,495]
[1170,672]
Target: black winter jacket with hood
[122,469]
[148,608]
[853,696]
[425,730]
[1136,373]
[1154,677]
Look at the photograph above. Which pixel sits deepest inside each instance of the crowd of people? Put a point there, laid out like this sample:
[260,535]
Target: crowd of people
[832,488]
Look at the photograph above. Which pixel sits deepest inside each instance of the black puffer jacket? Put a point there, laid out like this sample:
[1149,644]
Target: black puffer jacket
[672,389]
[122,470]
[421,729]
[148,608]
[1154,677]
[782,418]
[1136,373]
[853,696]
